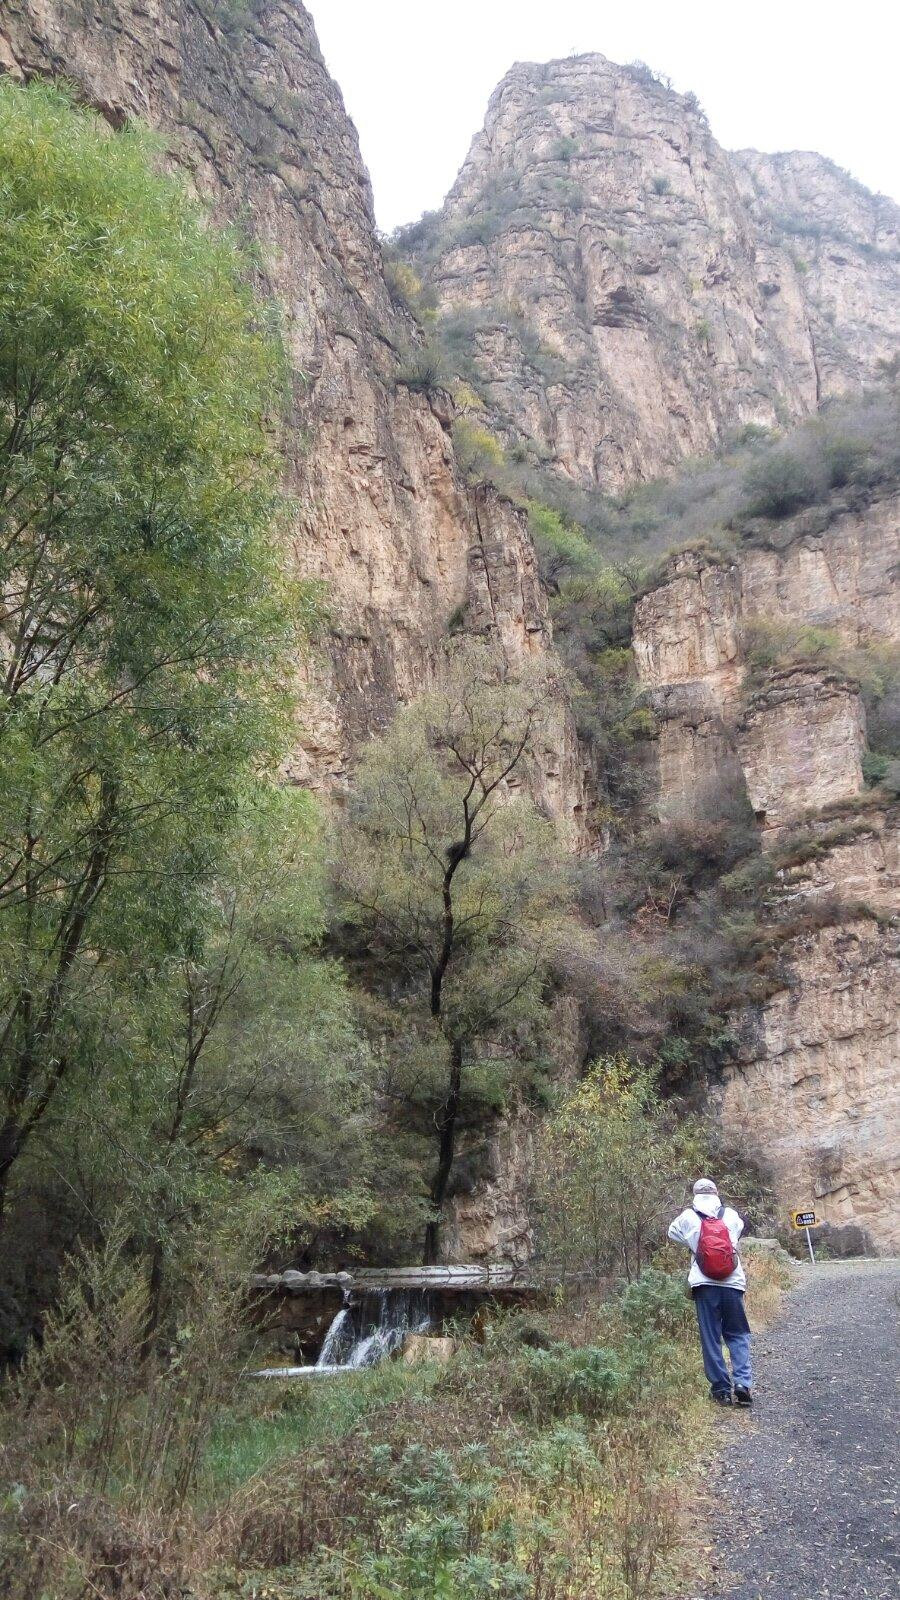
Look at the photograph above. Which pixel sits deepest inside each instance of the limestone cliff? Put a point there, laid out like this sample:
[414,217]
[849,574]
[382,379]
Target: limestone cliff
[628,293]
[253,119]
[812,1085]
[799,735]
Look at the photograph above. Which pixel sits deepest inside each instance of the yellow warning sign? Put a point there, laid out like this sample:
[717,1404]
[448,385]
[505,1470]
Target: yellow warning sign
[804,1219]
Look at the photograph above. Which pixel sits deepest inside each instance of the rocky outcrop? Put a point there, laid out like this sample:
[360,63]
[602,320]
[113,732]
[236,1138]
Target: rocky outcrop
[857,857]
[796,740]
[488,1216]
[833,566]
[816,1087]
[630,293]
[380,514]
[800,742]
[827,252]
[813,1086]
[695,752]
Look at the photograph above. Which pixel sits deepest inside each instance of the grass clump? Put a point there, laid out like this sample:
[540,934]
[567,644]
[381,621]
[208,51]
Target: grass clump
[423,370]
[479,453]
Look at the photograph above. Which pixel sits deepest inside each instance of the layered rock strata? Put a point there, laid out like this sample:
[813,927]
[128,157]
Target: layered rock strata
[630,293]
[252,118]
[379,512]
[813,1084]
[796,739]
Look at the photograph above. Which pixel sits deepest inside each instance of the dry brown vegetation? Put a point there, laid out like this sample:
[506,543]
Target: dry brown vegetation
[548,1461]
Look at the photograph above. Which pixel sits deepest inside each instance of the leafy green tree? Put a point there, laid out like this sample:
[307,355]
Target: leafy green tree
[243,1058]
[612,1162]
[562,548]
[144,623]
[457,881]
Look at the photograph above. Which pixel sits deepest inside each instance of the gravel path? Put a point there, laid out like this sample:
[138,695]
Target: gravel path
[814,1476]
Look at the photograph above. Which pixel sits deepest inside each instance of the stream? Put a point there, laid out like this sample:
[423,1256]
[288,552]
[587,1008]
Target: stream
[365,1331]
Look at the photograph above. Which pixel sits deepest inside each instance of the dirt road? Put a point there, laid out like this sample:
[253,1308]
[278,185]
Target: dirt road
[807,1501]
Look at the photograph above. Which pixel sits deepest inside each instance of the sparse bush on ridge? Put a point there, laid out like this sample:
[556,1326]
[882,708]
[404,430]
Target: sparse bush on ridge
[479,453]
[873,666]
[424,370]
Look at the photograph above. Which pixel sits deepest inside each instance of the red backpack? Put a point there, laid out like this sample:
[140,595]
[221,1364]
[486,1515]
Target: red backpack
[715,1254]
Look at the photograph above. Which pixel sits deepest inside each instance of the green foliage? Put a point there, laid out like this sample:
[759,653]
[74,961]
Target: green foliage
[779,484]
[243,1059]
[660,184]
[657,1300]
[561,545]
[562,1382]
[146,624]
[479,453]
[457,883]
[611,1159]
[407,288]
[772,645]
[882,771]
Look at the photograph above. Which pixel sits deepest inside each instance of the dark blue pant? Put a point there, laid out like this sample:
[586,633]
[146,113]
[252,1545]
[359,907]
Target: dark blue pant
[721,1315]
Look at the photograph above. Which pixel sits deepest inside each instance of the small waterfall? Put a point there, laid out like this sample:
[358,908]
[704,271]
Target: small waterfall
[363,1334]
[339,1334]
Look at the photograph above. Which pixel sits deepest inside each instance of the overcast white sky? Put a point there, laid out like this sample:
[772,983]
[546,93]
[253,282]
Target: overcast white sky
[773,74]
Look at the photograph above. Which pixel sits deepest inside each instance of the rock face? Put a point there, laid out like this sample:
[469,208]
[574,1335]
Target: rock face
[488,1215]
[814,1084]
[381,515]
[630,293]
[796,742]
[800,743]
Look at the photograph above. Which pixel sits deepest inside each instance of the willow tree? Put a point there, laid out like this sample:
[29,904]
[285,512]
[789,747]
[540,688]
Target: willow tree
[144,625]
[458,882]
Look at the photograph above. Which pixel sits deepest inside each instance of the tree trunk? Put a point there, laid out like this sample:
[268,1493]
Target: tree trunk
[446,1131]
[154,1299]
[5,1165]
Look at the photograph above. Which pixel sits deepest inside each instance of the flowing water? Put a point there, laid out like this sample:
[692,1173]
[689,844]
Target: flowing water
[363,1334]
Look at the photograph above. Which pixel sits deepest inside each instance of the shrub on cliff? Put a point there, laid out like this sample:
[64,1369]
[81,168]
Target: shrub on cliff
[480,454]
[424,370]
[780,483]
[563,550]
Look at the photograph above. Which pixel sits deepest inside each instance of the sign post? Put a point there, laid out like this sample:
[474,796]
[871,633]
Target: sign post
[806,1220]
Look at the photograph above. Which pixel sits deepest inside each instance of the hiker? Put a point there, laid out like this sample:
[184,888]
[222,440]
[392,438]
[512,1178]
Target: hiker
[711,1230]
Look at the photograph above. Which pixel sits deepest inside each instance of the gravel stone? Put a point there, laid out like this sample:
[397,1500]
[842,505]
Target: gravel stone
[813,1475]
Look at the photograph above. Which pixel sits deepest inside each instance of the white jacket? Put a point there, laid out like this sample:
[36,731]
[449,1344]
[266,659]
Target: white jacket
[686,1230]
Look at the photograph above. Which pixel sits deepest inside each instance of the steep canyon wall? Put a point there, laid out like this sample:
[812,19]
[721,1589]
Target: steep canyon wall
[813,1087]
[252,118]
[631,294]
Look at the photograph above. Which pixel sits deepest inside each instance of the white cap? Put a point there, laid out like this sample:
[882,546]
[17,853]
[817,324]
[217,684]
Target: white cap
[705,1186]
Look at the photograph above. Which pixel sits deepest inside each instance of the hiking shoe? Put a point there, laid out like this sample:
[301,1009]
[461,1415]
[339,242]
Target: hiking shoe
[743,1397]
[721,1399]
